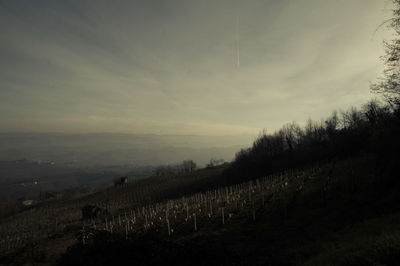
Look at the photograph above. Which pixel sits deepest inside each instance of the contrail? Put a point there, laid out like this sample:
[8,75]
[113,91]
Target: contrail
[237,42]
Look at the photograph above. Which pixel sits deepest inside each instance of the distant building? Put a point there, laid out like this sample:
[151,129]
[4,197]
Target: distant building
[121,181]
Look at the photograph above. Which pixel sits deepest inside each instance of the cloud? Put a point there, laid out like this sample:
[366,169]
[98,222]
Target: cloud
[170,67]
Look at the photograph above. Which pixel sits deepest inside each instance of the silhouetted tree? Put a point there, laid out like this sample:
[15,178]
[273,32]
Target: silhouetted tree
[389,84]
[214,162]
[188,166]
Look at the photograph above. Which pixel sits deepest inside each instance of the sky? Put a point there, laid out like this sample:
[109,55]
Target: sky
[185,67]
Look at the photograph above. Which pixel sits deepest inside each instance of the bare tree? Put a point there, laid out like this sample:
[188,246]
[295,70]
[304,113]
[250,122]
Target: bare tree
[188,166]
[389,84]
[215,162]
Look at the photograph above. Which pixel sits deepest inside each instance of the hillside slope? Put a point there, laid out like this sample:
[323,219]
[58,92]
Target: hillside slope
[337,214]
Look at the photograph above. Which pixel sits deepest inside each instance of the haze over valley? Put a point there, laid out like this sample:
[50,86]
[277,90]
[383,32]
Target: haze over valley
[119,149]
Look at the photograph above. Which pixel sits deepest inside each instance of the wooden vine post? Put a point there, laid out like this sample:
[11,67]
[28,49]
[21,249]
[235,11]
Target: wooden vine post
[223,215]
[195,222]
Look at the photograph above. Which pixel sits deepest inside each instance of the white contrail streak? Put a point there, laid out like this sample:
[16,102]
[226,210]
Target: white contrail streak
[237,42]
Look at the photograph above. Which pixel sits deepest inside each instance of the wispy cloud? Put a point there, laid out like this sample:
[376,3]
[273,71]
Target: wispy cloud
[171,66]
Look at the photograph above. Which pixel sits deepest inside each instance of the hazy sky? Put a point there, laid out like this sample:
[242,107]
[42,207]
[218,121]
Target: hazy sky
[184,67]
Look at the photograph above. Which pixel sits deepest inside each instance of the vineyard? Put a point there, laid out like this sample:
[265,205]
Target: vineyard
[126,211]
[190,213]
[148,206]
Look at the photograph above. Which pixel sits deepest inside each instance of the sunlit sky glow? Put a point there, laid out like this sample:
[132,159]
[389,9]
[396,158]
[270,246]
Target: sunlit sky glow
[170,67]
